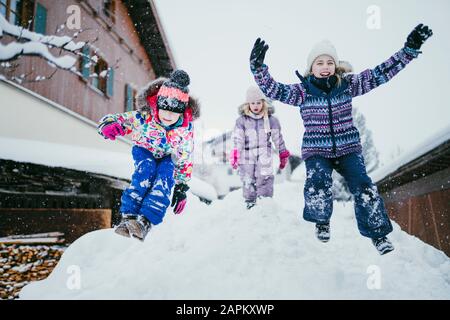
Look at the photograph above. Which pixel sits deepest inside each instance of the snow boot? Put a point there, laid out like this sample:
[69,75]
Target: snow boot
[122,228]
[250,204]
[323,231]
[139,227]
[383,245]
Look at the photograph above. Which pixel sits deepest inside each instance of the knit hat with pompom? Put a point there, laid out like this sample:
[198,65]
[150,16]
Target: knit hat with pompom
[174,93]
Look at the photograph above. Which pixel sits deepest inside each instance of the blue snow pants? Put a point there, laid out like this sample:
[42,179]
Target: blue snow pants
[151,186]
[371,215]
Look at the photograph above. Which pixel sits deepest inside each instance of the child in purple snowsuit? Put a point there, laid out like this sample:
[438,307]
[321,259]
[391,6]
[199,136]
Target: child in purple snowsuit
[252,152]
[331,141]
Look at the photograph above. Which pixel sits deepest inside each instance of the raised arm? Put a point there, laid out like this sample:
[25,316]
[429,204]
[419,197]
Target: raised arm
[370,79]
[290,94]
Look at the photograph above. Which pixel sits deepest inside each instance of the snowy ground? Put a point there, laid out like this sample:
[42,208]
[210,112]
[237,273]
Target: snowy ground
[223,251]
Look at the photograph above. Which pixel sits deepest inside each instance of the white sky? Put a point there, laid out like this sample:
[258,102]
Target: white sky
[212,41]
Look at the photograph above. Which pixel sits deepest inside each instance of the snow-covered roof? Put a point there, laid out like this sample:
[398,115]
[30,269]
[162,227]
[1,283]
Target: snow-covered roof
[427,145]
[115,164]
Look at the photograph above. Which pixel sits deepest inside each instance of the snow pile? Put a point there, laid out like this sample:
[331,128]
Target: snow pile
[115,164]
[298,175]
[224,251]
[202,189]
[219,177]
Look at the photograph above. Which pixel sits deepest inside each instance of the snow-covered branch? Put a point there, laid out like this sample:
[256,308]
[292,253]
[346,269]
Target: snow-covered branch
[34,44]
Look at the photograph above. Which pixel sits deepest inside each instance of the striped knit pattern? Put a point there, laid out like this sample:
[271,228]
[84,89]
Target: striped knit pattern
[329,128]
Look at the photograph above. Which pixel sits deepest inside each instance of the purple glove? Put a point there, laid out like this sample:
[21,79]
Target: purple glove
[284,157]
[111,130]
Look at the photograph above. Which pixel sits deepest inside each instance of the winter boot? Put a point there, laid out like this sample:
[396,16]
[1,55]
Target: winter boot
[122,228]
[323,231]
[139,227]
[383,245]
[250,204]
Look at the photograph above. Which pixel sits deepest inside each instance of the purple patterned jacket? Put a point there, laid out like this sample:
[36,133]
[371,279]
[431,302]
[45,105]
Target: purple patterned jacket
[329,128]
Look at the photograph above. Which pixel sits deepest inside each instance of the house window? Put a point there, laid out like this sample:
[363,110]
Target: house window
[98,74]
[18,12]
[109,9]
[130,93]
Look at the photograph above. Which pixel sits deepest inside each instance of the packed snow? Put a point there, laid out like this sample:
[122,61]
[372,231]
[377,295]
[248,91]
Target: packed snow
[224,251]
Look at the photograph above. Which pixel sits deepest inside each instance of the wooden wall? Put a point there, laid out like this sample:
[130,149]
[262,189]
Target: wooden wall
[72,222]
[122,42]
[422,208]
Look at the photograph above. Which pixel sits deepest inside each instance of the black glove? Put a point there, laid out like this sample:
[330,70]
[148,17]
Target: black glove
[418,36]
[179,197]
[258,54]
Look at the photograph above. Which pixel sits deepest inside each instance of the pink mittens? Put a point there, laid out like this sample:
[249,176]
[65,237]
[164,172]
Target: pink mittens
[112,130]
[234,158]
[284,157]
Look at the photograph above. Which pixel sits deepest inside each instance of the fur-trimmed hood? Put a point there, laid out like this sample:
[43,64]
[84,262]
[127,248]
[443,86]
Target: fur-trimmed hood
[243,107]
[152,88]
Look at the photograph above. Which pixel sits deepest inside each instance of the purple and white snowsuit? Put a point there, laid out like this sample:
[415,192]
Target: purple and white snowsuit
[255,152]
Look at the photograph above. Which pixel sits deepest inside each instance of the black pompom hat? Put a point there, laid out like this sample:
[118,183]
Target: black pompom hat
[174,93]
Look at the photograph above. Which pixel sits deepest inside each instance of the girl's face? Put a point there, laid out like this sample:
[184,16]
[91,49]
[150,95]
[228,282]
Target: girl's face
[256,106]
[168,117]
[323,66]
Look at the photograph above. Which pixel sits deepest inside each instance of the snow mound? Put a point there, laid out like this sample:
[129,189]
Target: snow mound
[202,189]
[298,175]
[224,251]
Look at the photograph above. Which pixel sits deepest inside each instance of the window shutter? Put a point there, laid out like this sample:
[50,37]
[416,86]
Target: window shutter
[85,71]
[40,24]
[110,82]
[3,8]
[129,98]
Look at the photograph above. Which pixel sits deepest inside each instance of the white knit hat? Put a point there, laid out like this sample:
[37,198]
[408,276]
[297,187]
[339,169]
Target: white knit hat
[254,94]
[321,48]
